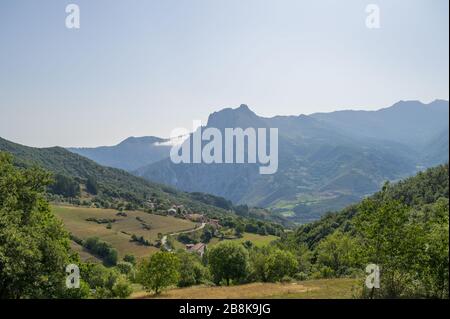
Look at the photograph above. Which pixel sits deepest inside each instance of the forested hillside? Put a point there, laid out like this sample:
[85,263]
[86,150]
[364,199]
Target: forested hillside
[403,229]
[80,181]
[416,192]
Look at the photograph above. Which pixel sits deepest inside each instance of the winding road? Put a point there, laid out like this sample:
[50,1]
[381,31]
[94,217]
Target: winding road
[164,239]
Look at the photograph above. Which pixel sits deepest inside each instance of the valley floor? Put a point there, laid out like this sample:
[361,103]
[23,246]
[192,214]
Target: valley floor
[311,289]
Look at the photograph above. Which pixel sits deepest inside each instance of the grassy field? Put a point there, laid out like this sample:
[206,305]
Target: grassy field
[257,240]
[84,254]
[312,289]
[74,219]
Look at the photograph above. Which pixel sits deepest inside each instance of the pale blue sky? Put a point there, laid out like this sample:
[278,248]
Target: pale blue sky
[145,67]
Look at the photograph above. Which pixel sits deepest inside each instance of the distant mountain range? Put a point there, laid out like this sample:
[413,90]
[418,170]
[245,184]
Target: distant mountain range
[131,154]
[326,160]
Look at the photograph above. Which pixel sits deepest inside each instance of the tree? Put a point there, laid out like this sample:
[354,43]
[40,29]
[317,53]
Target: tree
[102,249]
[159,271]
[262,231]
[65,186]
[107,282]
[280,264]
[192,272]
[91,186]
[228,261]
[258,263]
[269,263]
[125,267]
[338,252]
[121,288]
[397,242]
[434,271]
[207,234]
[239,230]
[130,259]
[34,247]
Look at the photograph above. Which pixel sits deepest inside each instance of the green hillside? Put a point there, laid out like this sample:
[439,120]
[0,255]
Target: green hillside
[403,229]
[81,181]
[423,189]
[115,186]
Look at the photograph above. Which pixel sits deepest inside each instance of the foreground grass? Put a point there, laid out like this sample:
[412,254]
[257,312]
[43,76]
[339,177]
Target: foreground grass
[311,289]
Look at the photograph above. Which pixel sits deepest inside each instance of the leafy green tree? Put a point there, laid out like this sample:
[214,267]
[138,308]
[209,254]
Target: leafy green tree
[125,267]
[280,264]
[258,263]
[130,259]
[248,244]
[121,288]
[270,263]
[192,272]
[228,261]
[65,186]
[91,186]
[394,241]
[159,271]
[338,252]
[433,269]
[106,282]
[207,234]
[34,247]
[262,231]
[83,292]
[102,249]
[98,276]
[239,230]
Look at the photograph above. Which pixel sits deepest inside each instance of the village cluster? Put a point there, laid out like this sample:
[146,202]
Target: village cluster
[201,220]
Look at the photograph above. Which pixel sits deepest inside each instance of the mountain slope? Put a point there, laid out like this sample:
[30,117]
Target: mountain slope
[408,122]
[115,185]
[422,189]
[131,154]
[118,188]
[326,161]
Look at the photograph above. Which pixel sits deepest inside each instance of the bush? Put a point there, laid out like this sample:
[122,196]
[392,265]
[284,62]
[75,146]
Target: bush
[130,259]
[125,267]
[140,239]
[301,276]
[102,249]
[121,288]
[106,282]
[287,279]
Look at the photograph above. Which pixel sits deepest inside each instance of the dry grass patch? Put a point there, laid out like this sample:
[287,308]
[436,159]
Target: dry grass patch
[313,289]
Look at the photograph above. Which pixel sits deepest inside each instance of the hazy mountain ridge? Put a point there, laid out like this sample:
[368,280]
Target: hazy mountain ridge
[408,122]
[326,161]
[130,154]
